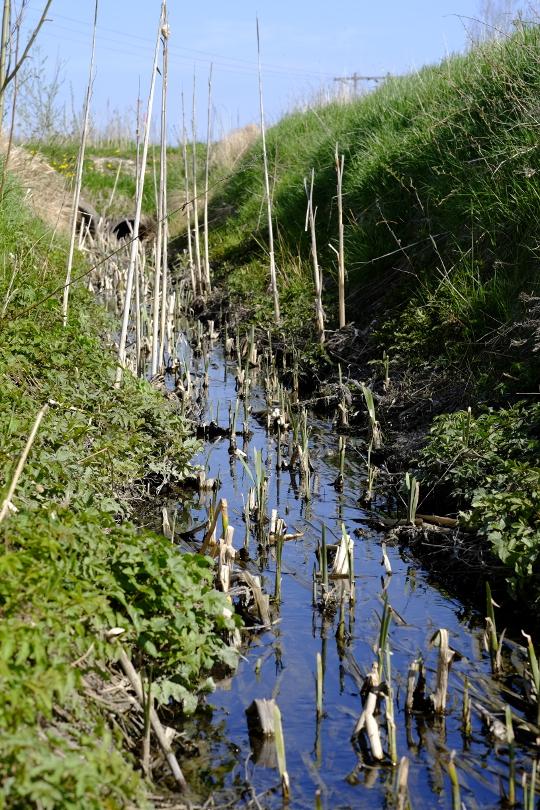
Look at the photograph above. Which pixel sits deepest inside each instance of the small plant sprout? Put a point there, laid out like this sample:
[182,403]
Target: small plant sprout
[280,750]
[467,427]
[491,640]
[534,674]
[413,489]
[323,562]
[390,718]
[384,627]
[466,725]
[385,560]
[452,773]
[386,367]
[338,483]
[343,408]
[511,798]
[319,686]
[376,435]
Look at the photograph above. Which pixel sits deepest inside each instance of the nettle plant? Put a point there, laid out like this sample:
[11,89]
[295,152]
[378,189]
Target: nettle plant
[489,465]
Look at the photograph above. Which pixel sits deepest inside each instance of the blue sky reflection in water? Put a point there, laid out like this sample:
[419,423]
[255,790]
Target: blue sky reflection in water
[282,662]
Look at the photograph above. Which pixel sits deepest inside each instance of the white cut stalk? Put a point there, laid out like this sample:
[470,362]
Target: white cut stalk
[7,505]
[367,719]
[135,237]
[187,203]
[78,179]
[273,278]
[206,172]
[341,254]
[4,48]
[195,202]
[164,202]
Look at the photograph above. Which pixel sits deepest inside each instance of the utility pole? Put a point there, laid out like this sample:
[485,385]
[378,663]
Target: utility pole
[356,78]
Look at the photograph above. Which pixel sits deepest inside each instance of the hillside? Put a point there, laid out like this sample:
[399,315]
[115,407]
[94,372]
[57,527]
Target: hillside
[441,201]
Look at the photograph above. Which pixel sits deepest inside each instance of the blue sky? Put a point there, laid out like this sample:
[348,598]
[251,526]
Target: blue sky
[305,44]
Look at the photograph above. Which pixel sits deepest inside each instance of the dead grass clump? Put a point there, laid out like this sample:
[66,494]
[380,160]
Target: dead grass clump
[227,152]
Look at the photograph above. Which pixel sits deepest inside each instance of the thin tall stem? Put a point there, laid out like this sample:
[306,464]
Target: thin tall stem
[80,167]
[195,204]
[4,48]
[317,272]
[164,201]
[340,161]
[136,225]
[187,200]
[273,279]
[206,173]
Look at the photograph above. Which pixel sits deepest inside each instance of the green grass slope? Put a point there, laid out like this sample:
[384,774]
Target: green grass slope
[441,202]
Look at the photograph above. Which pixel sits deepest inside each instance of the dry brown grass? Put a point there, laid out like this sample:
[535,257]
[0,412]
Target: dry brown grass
[227,152]
[47,193]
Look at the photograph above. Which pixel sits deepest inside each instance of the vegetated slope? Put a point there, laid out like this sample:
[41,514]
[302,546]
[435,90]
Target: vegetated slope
[109,177]
[442,204]
[441,201]
[72,566]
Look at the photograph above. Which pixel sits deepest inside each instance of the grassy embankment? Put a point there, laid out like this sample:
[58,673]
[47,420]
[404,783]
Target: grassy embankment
[109,175]
[72,564]
[441,202]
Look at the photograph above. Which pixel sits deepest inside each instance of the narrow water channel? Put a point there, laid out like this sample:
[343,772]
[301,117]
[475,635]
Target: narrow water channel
[281,662]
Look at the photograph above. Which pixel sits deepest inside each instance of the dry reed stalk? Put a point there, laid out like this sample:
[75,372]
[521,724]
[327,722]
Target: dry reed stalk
[207,280]
[79,174]
[273,278]
[4,48]
[164,202]
[367,719]
[446,655]
[340,161]
[187,203]
[317,272]
[135,681]
[138,210]
[196,234]
[7,504]
[158,258]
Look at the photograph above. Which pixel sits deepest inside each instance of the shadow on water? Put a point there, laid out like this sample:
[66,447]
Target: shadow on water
[281,662]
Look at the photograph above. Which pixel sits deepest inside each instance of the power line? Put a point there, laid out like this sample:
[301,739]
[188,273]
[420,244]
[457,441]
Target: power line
[234,63]
[356,78]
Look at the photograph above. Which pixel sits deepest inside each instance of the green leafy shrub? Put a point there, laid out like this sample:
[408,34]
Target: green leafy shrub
[489,465]
[72,564]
